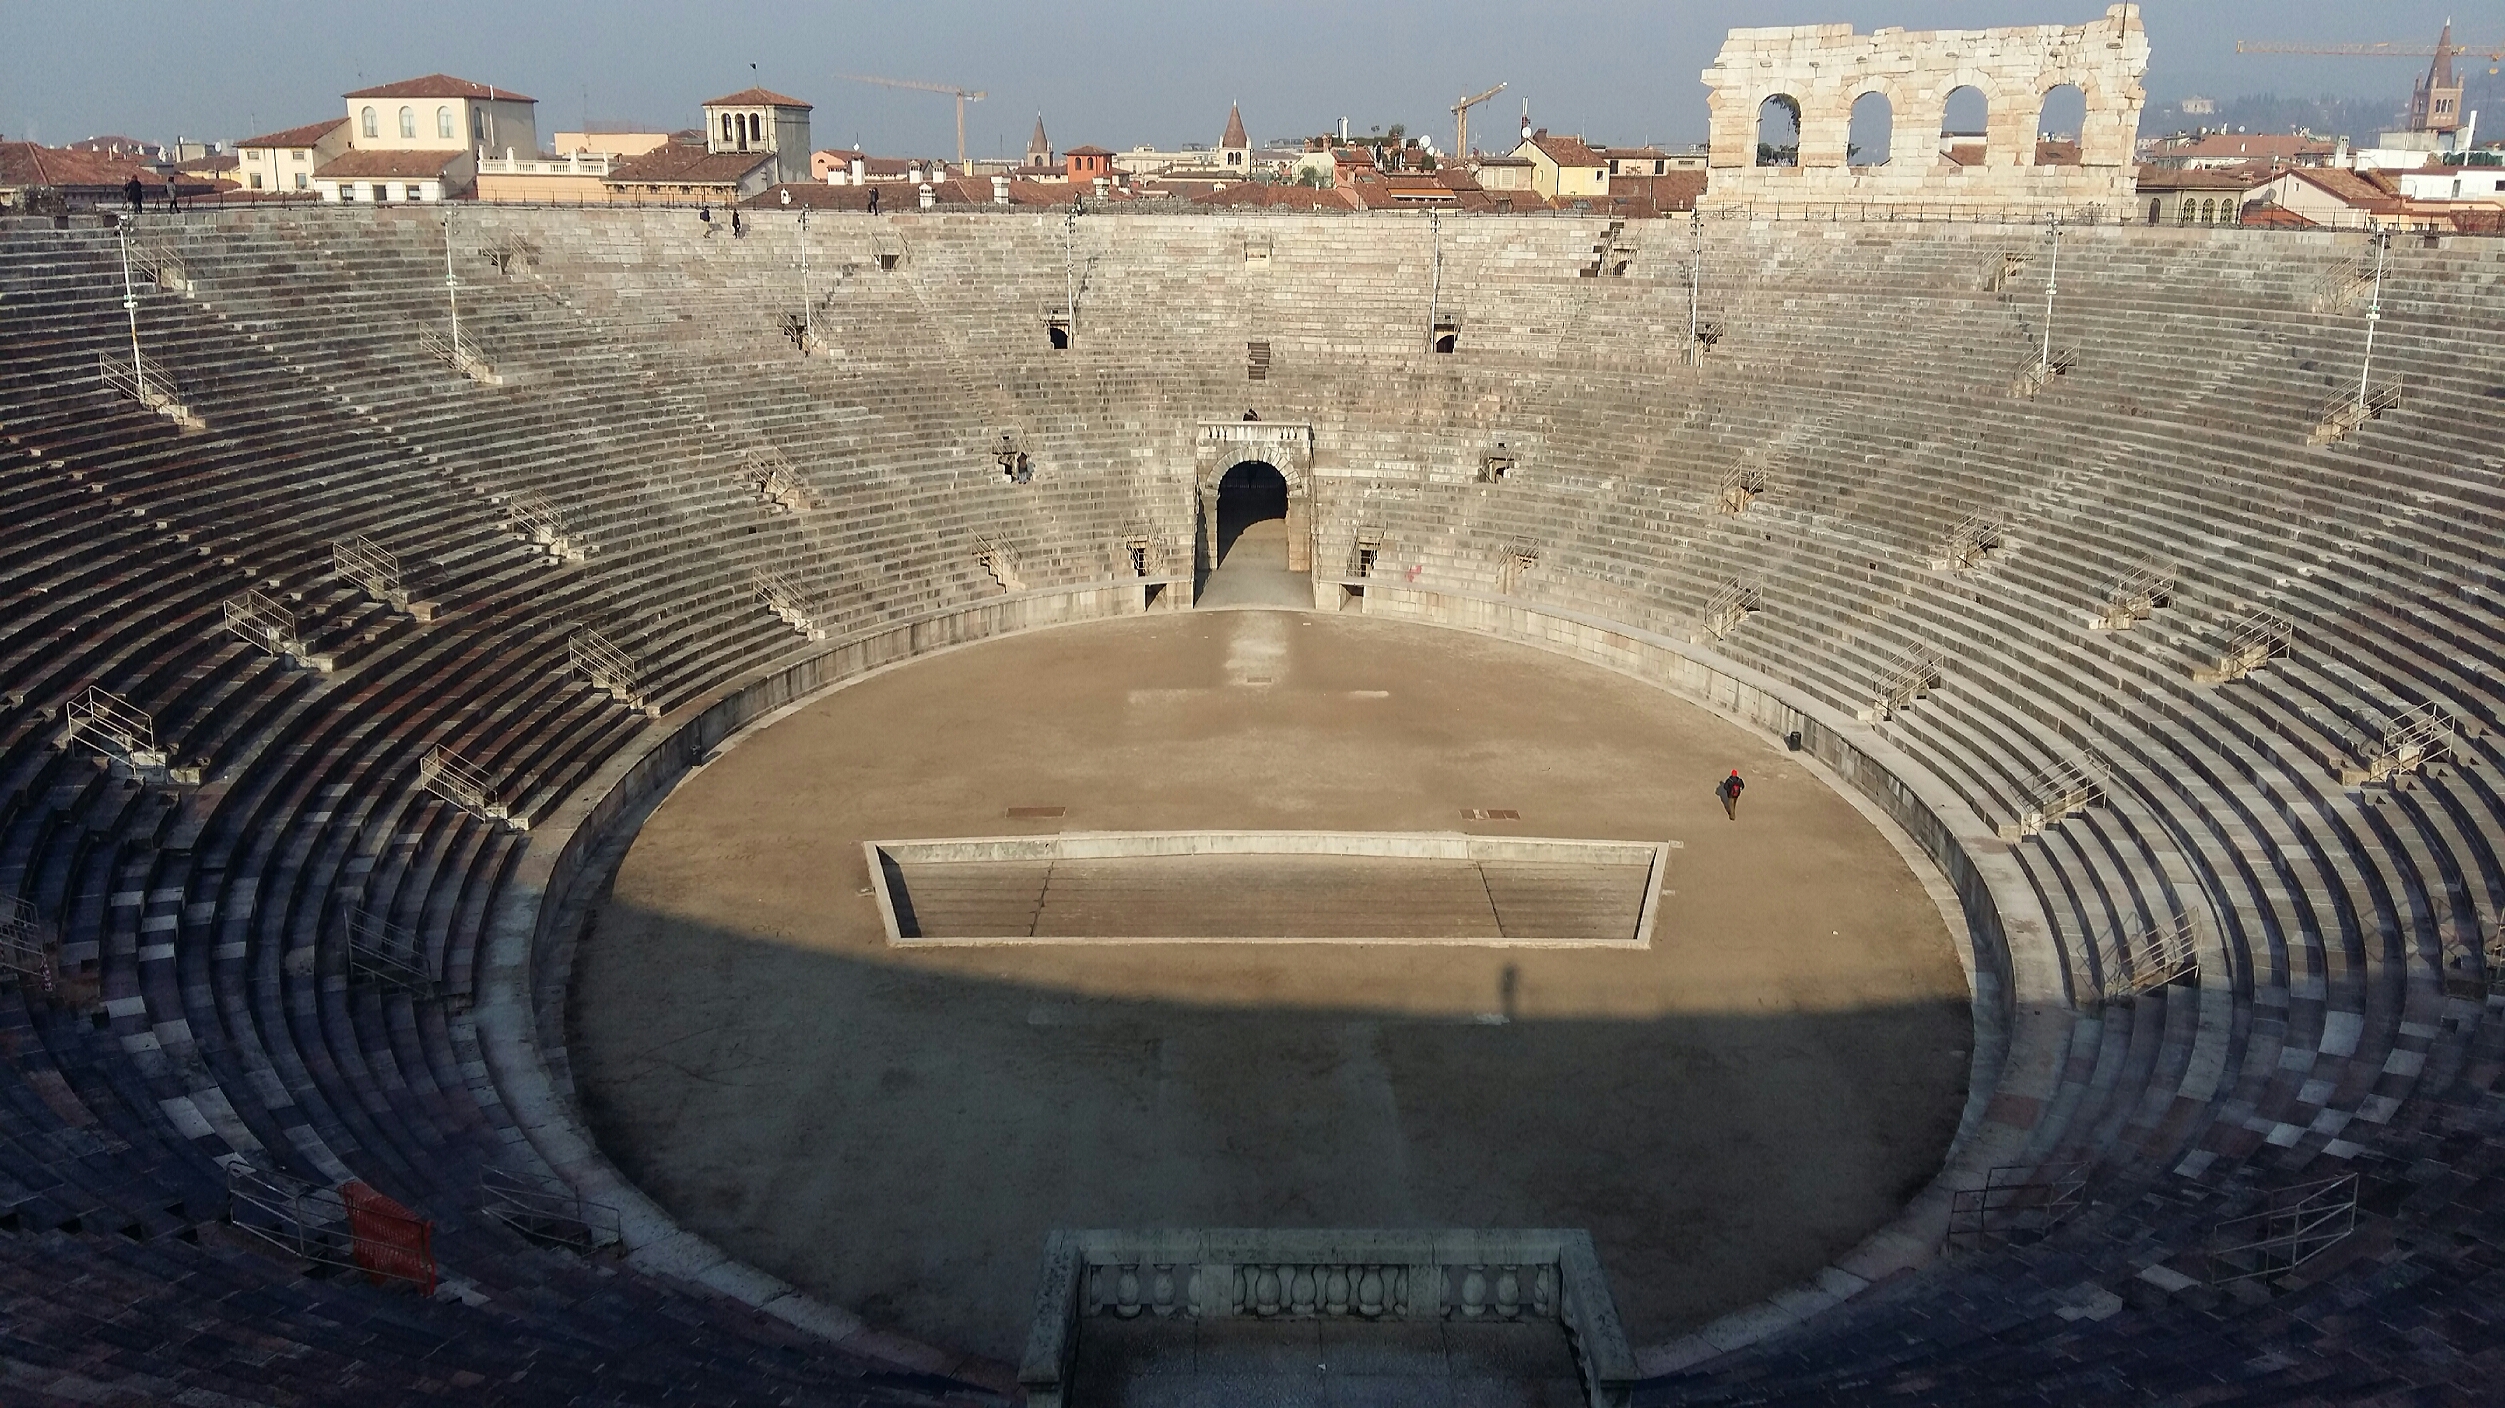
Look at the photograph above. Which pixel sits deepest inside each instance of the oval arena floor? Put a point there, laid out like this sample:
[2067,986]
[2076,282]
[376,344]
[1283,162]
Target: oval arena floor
[900,1129]
[399,855]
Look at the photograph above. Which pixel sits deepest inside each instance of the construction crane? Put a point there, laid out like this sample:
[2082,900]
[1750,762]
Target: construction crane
[2435,101]
[1461,117]
[963,96]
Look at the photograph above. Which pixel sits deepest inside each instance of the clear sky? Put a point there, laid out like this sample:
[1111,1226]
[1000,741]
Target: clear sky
[1117,74]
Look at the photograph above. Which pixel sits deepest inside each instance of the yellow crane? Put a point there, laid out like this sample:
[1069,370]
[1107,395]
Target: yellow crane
[962,95]
[2384,50]
[1461,119]
[2435,103]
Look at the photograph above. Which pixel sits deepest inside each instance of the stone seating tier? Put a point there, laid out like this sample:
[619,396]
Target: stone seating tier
[2337,1023]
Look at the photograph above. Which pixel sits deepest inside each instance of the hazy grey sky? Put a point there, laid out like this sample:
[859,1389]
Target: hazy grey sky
[1116,74]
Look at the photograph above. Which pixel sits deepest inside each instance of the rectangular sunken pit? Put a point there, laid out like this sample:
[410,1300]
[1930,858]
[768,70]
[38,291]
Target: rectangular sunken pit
[1350,887]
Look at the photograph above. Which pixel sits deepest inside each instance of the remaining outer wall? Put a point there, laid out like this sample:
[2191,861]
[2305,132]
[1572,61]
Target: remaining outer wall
[1827,67]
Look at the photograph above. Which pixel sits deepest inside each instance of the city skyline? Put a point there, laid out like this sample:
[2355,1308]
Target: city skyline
[1107,73]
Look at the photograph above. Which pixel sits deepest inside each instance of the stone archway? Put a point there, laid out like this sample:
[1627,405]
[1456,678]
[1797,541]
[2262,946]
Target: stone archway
[1252,496]
[1287,448]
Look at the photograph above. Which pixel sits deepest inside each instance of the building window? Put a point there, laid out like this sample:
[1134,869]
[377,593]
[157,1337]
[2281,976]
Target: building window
[726,127]
[2184,217]
[478,124]
[301,181]
[256,180]
[443,122]
[295,156]
[370,129]
[408,124]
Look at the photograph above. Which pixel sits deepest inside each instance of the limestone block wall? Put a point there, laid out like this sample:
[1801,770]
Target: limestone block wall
[1827,68]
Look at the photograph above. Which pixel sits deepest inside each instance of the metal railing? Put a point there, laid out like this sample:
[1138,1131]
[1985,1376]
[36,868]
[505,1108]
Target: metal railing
[2067,787]
[783,595]
[541,524]
[462,354]
[1976,537]
[1520,558]
[380,951]
[2416,738]
[2298,1225]
[112,726]
[136,374]
[2016,1202]
[2342,413]
[374,569]
[449,776]
[1728,607]
[23,950]
[1741,485]
[2342,287]
[261,621]
[2002,269]
[351,1227]
[163,268]
[1917,674]
[2037,371]
[1001,561]
[2133,599]
[591,655]
[305,1220]
[2255,641]
[547,1211]
[776,480]
[2142,962]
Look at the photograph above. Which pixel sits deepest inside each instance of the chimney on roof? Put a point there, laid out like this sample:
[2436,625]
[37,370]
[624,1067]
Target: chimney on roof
[1343,131]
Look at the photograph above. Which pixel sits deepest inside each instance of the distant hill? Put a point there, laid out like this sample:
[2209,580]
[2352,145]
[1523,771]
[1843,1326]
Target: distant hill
[2357,119]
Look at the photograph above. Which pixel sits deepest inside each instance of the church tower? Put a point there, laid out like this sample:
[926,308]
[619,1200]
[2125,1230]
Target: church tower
[1235,149]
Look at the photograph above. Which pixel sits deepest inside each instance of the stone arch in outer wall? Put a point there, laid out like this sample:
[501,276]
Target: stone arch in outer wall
[1827,66]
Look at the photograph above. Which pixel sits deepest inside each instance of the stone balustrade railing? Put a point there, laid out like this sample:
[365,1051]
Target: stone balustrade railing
[1461,1275]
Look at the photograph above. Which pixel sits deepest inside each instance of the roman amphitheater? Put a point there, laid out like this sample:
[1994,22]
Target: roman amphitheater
[576,830]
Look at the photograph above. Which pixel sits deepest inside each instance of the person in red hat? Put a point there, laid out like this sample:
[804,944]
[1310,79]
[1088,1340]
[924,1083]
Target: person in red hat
[1730,789]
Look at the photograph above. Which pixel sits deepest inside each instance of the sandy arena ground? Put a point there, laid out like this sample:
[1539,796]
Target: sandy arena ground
[896,1131]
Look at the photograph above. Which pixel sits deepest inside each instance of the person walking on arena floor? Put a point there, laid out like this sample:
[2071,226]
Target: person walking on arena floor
[1730,789]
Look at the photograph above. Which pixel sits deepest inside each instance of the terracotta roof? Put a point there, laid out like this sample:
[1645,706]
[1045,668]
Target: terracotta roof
[440,85]
[367,163]
[1256,193]
[2262,215]
[2365,190]
[1669,191]
[26,164]
[2158,179]
[756,98]
[1087,151]
[1234,128]
[679,164]
[2243,146]
[308,135]
[1566,151]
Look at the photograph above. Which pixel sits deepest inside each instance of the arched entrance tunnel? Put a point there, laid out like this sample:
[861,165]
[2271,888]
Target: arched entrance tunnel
[1252,517]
